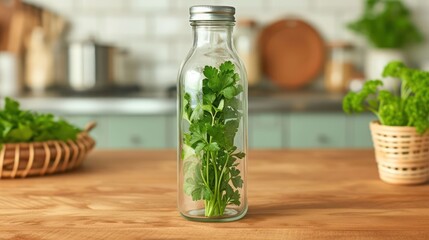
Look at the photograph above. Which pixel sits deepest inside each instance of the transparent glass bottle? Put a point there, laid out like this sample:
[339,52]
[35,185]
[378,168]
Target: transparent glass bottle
[246,43]
[212,121]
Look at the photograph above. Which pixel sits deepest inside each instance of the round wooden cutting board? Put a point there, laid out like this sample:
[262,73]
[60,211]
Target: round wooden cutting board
[292,52]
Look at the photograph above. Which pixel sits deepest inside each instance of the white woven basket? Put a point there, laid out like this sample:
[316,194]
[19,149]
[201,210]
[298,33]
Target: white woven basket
[402,154]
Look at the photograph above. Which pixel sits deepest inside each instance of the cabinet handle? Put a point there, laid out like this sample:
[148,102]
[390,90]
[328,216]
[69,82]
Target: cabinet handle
[323,139]
[136,140]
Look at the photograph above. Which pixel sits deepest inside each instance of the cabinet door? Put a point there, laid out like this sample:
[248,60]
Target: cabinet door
[137,132]
[99,133]
[317,130]
[360,134]
[265,131]
[172,131]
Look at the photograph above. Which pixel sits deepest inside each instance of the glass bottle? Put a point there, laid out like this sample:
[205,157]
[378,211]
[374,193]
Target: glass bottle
[212,121]
[245,41]
[340,68]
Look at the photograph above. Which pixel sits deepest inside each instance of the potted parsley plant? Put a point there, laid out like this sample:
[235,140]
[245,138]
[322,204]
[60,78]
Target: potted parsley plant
[400,136]
[388,27]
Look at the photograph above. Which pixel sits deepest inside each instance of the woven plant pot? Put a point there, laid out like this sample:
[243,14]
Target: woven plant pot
[402,154]
[41,158]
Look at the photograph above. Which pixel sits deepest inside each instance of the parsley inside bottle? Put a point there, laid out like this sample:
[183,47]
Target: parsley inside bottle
[212,121]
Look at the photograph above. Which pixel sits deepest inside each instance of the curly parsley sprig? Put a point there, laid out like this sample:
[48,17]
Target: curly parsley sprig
[411,108]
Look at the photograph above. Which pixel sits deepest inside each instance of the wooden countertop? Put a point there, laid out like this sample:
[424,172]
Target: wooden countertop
[293,194]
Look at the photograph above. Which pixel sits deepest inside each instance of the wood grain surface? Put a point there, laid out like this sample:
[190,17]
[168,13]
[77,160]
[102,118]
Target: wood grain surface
[315,194]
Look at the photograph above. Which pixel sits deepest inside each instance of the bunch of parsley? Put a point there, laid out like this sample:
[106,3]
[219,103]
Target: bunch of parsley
[210,156]
[387,24]
[411,108]
[17,125]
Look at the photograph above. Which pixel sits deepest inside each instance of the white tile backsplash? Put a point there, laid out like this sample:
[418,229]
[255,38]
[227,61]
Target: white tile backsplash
[65,7]
[179,50]
[120,29]
[182,5]
[169,26]
[83,27]
[342,21]
[165,74]
[149,50]
[288,5]
[156,76]
[150,5]
[245,4]
[336,5]
[416,4]
[158,36]
[100,6]
[325,24]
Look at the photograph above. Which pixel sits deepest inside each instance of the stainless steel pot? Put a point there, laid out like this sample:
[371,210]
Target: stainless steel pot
[91,66]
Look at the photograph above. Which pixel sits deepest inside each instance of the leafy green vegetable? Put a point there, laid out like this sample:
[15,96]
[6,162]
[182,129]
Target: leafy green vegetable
[387,24]
[411,108]
[210,158]
[17,125]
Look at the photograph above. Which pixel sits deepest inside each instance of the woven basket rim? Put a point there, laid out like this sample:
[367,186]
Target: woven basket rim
[375,124]
[80,135]
[24,159]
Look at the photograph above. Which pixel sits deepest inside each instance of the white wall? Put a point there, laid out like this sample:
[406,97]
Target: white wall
[158,36]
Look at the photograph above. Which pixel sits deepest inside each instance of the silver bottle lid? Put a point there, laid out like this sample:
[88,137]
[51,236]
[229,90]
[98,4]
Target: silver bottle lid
[211,13]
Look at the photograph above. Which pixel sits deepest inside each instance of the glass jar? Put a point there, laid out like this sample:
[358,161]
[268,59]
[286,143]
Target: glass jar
[246,43]
[340,67]
[212,121]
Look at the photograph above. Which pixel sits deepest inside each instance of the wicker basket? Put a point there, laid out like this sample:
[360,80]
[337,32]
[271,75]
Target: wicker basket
[402,154]
[41,158]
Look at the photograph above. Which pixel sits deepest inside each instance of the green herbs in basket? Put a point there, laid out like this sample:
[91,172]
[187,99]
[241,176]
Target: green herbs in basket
[410,108]
[18,125]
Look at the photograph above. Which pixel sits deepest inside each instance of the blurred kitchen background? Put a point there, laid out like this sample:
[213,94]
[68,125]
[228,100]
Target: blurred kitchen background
[127,85]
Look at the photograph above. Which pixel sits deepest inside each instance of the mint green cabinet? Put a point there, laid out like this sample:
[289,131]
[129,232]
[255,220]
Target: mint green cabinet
[265,131]
[172,131]
[316,130]
[137,132]
[359,133]
[99,133]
